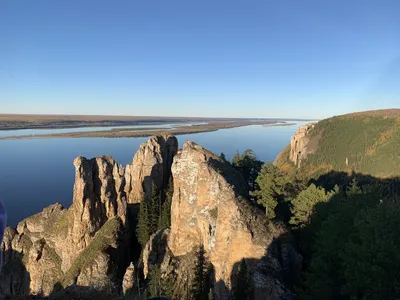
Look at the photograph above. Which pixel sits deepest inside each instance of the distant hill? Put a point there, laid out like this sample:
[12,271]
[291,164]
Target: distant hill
[363,142]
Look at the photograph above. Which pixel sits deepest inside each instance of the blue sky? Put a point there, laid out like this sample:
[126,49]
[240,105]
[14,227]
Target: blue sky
[309,59]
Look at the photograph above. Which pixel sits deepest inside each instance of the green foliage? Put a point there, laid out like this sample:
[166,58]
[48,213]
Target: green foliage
[248,165]
[167,287]
[60,226]
[201,281]
[223,157]
[244,289]
[165,217]
[143,225]
[154,286]
[272,185]
[211,295]
[214,213]
[353,188]
[303,204]
[154,209]
[158,286]
[53,256]
[368,143]
[153,215]
[102,240]
[236,158]
[331,225]
[371,257]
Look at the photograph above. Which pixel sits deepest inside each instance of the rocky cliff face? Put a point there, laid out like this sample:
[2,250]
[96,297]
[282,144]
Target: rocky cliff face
[84,244]
[62,246]
[210,208]
[151,164]
[87,244]
[98,197]
[299,144]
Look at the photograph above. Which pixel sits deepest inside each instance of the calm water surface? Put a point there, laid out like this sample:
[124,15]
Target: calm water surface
[35,173]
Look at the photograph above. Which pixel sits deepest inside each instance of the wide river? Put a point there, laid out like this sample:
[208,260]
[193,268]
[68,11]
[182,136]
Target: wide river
[35,173]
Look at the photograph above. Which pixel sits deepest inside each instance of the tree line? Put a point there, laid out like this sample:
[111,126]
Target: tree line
[346,228]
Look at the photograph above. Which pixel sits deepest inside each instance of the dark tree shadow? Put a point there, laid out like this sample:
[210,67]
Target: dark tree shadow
[335,221]
[279,274]
[231,175]
[14,278]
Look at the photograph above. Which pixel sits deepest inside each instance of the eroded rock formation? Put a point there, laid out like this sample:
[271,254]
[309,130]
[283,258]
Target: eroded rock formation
[299,144]
[60,246]
[86,245]
[210,207]
[151,164]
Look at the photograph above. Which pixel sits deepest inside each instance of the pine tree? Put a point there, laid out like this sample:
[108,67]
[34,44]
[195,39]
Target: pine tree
[223,157]
[165,217]
[244,288]
[353,188]
[236,158]
[211,295]
[303,205]
[154,209]
[200,285]
[167,287]
[336,189]
[272,187]
[249,166]
[142,229]
[154,286]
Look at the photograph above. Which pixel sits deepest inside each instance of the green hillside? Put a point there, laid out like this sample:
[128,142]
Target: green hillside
[369,142]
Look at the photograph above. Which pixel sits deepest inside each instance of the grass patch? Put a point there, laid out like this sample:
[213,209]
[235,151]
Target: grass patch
[60,226]
[52,254]
[214,213]
[102,240]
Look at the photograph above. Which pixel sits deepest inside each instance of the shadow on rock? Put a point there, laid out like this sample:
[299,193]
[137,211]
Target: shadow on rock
[14,278]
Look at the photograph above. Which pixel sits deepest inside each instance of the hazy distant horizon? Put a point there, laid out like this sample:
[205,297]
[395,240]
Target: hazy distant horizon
[144,117]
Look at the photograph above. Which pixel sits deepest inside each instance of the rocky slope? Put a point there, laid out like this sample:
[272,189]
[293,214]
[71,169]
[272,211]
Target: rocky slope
[210,208]
[87,243]
[90,243]
[151,164]
[299,144]
[365,142]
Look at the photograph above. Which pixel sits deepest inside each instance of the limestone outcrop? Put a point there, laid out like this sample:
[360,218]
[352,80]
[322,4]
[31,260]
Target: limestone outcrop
[88,244]
[98,196]
[85,244]
[210,207]
[299,144]
[151,164]
[52,246]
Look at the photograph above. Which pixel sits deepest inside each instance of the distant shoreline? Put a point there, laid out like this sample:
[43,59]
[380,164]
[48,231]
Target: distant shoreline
[279,124]
[124,132]
[20,121]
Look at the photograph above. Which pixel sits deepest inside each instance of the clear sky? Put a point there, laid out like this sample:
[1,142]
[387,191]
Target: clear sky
[222,58]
